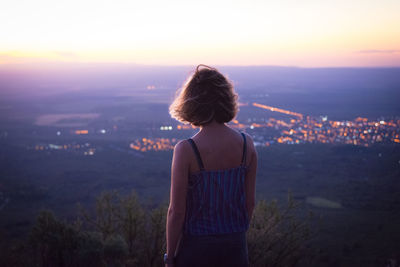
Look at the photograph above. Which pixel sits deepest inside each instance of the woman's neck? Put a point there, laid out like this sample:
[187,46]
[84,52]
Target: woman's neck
[212,126]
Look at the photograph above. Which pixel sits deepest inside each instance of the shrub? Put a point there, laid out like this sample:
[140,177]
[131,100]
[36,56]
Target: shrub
[275,236]
[122,233]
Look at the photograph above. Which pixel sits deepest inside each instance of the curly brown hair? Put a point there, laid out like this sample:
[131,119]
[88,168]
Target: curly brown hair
[207,95]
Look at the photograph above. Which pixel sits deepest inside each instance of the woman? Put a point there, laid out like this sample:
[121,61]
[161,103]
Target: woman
[212,178]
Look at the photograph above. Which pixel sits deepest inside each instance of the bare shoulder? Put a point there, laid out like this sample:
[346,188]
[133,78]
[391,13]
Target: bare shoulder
[250,142]
[182,158]
[251,150]
[182,148]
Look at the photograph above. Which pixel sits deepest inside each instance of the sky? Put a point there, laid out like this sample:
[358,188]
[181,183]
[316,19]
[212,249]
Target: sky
[306,33]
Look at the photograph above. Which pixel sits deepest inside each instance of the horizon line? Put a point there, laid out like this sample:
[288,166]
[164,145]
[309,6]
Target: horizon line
[105,63]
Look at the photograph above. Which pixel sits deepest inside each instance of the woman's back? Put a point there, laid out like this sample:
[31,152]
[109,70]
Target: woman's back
[220,148]
[216,200]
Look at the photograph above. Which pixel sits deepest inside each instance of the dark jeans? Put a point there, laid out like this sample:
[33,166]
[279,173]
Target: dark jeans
[213,250]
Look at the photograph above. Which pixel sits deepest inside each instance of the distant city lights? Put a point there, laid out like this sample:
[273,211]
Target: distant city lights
[90,152]
[81,132]
[298,130]
[85,148]
[166,128]
[278,110]
[156,144]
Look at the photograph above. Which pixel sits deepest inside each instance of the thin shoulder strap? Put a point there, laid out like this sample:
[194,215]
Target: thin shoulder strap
[197,153]
[244,149]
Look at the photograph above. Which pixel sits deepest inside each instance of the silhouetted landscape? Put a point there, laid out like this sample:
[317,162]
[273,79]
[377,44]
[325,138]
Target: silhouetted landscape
[328,137]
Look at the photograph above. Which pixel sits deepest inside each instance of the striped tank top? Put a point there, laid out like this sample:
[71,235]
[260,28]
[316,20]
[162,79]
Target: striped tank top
[216,200]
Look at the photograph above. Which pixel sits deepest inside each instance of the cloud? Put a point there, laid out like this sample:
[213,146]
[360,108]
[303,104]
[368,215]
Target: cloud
[379,51]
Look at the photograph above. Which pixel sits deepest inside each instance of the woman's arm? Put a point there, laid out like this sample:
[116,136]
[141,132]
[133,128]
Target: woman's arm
[251,177]
[177,204]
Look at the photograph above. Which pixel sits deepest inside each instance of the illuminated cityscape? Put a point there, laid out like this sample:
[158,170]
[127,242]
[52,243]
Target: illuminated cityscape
[157,144]
[306,129]
[295,129]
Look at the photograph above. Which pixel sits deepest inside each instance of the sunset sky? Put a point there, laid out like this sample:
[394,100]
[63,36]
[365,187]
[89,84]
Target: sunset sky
[308,33]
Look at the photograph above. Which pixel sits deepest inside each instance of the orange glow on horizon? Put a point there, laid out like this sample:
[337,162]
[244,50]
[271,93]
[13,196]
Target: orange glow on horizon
[285,33]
